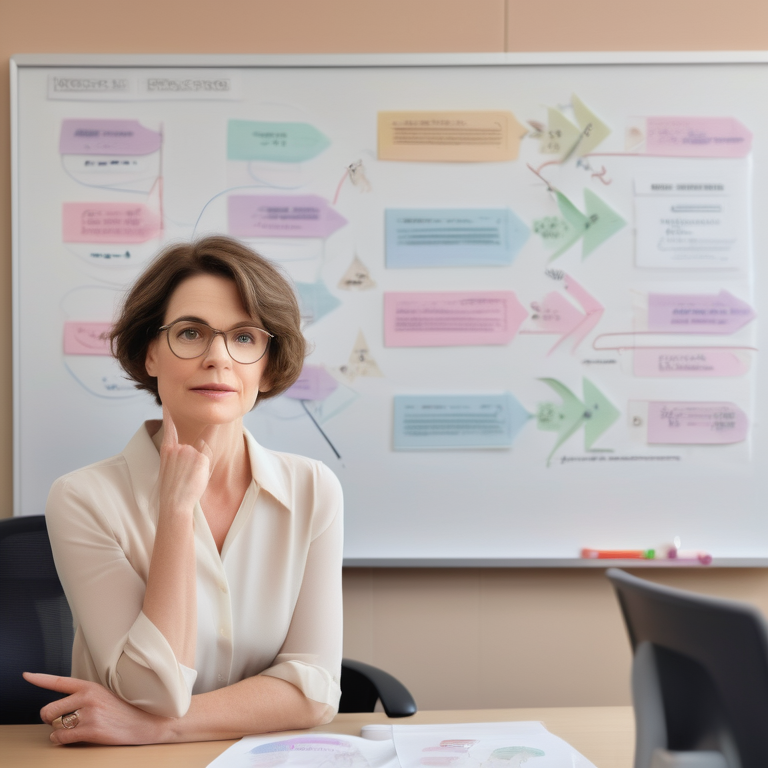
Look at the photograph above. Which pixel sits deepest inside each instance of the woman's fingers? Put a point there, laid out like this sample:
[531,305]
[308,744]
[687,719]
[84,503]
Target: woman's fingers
[170,435]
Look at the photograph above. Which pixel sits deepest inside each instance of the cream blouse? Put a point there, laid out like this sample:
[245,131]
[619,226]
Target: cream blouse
[270,604]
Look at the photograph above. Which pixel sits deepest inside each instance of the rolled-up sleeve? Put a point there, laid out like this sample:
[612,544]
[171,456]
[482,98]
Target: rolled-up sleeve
[310,657]
[115,643]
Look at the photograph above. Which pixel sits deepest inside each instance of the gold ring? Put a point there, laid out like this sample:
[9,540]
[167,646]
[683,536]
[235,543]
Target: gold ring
[70,720]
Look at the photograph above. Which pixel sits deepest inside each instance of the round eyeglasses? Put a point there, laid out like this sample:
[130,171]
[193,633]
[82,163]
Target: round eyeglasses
[188,339]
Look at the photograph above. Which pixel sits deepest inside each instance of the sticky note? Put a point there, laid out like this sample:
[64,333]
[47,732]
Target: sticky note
[282,216]
[315,301]
[480,136]
[87,338]
[314,383]
[461,318]
[109,223]
[696,423]
[690,362]
[424,422]
[107,137]
[452,237]
[720,313]
[277,142]
[690,137]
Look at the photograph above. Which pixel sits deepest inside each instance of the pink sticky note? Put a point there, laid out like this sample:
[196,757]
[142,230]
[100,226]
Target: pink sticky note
[282,216]
[86,338]
[107,137]
[692,313]
[463,318]
[689,362]
[315,383]
[109,223]
[696,423]
[697,137]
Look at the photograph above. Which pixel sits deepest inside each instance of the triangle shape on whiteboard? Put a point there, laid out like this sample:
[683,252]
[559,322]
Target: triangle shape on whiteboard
[602,222]
[599,415]
[592,129]
[561,135]
[361,362]
[575,220]
[357,277]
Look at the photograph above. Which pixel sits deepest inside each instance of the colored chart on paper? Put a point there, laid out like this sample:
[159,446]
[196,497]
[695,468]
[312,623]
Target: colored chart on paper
[449,136]
[457,421]
[282,216]
[696,423]
[462,318]
[277,142]
[452,237]
[86,338]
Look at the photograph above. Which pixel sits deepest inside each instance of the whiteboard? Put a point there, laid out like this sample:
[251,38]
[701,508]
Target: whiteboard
[438,494]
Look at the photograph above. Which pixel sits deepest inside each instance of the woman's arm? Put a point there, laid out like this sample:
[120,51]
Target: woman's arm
[258,704]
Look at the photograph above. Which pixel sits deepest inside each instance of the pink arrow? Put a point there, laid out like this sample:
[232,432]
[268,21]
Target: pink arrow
[107,137]
[557,315]
[282,216]
[87,338]
[451,319]
[314,383]
[697,137]
[697,313]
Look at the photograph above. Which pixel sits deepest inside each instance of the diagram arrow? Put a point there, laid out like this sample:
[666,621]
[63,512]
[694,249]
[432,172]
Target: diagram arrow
[595,413]
[697,313]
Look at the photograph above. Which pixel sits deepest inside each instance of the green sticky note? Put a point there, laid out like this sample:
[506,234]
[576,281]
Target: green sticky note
[601,223]
[599,414]
[273,141]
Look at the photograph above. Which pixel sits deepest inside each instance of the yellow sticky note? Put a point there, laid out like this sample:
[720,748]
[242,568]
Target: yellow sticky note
[487,136]
[593,129]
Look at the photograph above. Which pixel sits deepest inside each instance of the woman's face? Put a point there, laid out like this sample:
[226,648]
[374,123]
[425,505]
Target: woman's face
[212,388]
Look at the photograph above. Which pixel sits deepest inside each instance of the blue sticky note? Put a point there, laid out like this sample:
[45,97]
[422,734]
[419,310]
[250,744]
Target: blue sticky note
[315,301]
[452,237]
[428,422]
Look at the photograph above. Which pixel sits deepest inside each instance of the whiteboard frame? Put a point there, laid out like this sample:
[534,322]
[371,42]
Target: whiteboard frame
[25,61]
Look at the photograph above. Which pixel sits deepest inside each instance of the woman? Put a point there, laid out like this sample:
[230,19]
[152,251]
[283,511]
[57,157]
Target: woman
[203,571]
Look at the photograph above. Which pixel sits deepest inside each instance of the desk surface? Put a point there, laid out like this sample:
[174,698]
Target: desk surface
[603,734]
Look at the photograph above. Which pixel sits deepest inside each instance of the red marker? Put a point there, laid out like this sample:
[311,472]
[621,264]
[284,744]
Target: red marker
[618,554]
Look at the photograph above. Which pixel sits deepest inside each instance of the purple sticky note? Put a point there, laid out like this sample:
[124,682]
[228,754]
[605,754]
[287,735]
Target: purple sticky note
[697,137]
[696,423]
[315,383]
[282,216]
[107,137]
[86,338]
[697,313]
[689,362]
[109,223]
[463,318]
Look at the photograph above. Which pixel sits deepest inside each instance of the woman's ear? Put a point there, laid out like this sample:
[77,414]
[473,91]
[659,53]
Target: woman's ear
[150,361]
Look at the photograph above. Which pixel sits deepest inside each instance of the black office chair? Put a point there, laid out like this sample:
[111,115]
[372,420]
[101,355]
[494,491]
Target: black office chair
[362,685]
[699,677]
[36,631]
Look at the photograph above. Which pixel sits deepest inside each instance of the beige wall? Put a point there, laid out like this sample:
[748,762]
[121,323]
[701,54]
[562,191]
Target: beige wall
[457,638]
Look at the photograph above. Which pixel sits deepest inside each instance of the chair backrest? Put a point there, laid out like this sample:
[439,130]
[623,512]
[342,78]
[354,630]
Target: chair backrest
[362,685]
[699,677]
[36,631]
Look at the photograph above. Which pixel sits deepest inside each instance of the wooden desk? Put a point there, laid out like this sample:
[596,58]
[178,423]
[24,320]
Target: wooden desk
[603,734]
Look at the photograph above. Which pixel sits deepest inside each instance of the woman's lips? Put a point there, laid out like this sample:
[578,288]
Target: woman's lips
[216,391]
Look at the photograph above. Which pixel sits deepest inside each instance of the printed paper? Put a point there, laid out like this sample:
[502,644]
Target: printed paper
[689,137]
[452,237]
[314,383]
[107,137]
[87,338]
[675,423]
[690,362]
[315,301]
[457,421]
[361,362]
[356,278]
[462,318]
[449,136]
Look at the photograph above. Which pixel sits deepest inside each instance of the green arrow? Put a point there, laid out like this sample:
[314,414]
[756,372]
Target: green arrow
[565,418]
[602,223]
[599,415]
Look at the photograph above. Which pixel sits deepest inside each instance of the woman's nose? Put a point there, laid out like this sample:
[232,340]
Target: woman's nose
[217,352]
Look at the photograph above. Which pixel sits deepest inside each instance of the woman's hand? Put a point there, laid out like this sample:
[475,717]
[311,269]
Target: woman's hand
[184,469]
[102,717]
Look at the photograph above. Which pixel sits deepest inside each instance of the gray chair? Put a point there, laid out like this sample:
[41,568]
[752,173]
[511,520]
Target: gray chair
[699,677]
[362,685]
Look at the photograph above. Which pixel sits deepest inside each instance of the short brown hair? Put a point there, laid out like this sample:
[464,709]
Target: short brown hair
[266,294]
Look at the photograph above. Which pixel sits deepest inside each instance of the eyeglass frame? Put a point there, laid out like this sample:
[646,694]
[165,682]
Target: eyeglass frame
[214,334]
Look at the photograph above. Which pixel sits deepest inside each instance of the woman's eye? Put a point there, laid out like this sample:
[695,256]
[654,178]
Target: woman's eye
[244,338]
[188,334]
